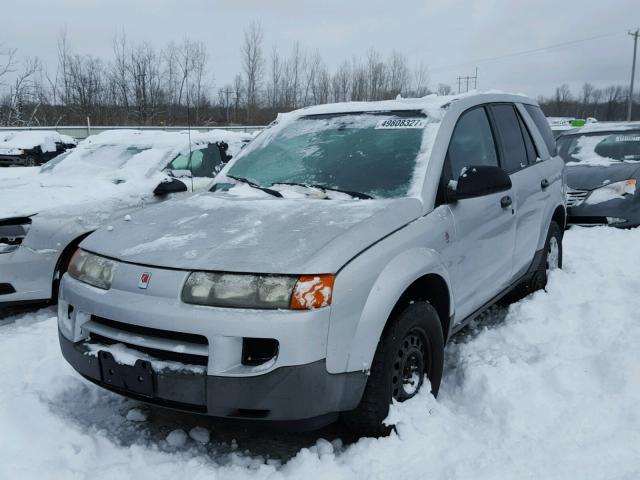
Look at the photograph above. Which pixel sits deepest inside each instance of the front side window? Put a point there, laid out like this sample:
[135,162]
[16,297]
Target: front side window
[372,153]
[513,147]
[600,148]
[206,162]
[472,143]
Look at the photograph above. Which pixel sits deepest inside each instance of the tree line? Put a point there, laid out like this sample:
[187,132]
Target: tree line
[143,84]
[605,104]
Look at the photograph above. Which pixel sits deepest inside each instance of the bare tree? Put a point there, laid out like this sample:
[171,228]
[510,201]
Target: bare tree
[253,64]
[7,62]
[274,87]
[398,81]
[23,91]
[341,82]
[421,80]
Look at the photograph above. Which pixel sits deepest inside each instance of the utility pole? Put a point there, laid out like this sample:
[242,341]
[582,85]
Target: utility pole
[227,91]
[633,71]
[467,79]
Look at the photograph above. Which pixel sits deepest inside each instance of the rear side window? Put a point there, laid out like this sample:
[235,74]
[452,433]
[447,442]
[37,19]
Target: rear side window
[472,142]
[532,153]
[543,126]
[513,148]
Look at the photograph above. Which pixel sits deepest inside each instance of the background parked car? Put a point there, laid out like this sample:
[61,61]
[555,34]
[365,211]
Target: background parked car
[603,170]
[32,147]
[44,216]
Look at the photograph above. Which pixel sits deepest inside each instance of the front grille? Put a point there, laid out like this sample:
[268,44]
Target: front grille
[575,198]
[186,348]
[152,332]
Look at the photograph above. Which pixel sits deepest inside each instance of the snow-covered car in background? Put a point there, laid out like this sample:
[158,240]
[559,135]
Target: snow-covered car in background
[29,148]
[603,171]
[44,216]
[327,266]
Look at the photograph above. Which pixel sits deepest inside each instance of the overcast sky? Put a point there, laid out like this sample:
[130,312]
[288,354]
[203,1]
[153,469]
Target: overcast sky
[449,36]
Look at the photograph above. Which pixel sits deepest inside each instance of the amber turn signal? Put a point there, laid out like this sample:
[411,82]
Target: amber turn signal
[312,291]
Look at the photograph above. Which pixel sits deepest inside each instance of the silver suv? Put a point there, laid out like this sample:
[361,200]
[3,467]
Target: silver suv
[328,265]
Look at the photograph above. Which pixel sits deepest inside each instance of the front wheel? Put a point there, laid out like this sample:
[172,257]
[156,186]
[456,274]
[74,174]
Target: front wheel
[411,347]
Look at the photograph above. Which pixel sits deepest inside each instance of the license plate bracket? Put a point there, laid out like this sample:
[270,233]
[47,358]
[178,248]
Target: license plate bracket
[138,378]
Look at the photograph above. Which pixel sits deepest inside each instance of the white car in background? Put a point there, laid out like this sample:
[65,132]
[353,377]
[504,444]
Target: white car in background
[44,216]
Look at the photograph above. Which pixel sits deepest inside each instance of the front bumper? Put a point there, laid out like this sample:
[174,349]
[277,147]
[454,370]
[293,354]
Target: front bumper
[155,325]
[286,394]
[619,212]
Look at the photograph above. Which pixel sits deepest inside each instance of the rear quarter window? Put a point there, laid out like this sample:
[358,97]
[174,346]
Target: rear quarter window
[543,126]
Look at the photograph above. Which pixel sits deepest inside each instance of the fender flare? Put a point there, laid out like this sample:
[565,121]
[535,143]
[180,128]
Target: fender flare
[392,281]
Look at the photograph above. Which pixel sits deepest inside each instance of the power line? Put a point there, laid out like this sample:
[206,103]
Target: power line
[524,52]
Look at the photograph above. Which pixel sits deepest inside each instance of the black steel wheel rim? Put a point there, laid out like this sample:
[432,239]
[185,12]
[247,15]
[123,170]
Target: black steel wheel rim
[410,365]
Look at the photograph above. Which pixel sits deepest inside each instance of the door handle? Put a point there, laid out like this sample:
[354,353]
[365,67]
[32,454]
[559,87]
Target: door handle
[544,183]
[506,201]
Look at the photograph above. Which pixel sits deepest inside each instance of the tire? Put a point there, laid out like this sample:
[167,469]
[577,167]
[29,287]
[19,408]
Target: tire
[412,342]
[30,162]
[550,260]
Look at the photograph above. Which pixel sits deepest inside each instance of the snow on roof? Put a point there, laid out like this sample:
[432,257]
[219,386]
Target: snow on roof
[432,105]
[28,139]
[166,139]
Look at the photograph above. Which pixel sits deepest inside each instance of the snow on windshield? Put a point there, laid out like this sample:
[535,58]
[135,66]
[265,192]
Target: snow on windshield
[600,149]
[377,154]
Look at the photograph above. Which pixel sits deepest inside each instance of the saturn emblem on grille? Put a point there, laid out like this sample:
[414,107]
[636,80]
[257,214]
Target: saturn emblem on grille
[144,280]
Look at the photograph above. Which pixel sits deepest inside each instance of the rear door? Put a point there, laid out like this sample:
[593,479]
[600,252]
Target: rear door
[484,229]
[520,160]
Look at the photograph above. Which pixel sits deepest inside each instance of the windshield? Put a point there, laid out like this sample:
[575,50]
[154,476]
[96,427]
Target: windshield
[104,157]
[374,154]
[600,148]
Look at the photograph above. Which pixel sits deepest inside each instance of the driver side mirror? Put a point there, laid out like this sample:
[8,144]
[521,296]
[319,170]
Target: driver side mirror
[479,181]
[170,185]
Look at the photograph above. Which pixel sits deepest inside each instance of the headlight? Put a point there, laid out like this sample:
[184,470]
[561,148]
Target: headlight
[626,187]
[258,291]
[612,191]
[92,269]
[12,233]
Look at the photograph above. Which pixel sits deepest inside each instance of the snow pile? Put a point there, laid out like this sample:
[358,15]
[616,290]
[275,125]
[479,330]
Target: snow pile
[12,142]
[549,389]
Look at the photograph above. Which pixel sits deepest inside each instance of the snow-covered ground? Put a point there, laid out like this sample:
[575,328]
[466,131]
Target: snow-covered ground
[548,388]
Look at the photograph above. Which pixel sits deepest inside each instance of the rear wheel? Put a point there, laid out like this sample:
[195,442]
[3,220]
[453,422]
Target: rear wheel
[411,347]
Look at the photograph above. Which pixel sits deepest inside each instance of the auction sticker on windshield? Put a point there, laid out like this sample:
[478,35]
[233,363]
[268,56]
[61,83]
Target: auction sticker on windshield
[401,123]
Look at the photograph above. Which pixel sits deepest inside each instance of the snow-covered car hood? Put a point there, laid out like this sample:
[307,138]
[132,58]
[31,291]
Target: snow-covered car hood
[211,232]
[51,195]
[589,177]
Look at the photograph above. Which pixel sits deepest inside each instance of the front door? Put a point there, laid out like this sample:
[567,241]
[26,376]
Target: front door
[484,226]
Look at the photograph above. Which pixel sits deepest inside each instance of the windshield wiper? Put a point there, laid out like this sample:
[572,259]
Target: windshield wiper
[270,191]
[351,193]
